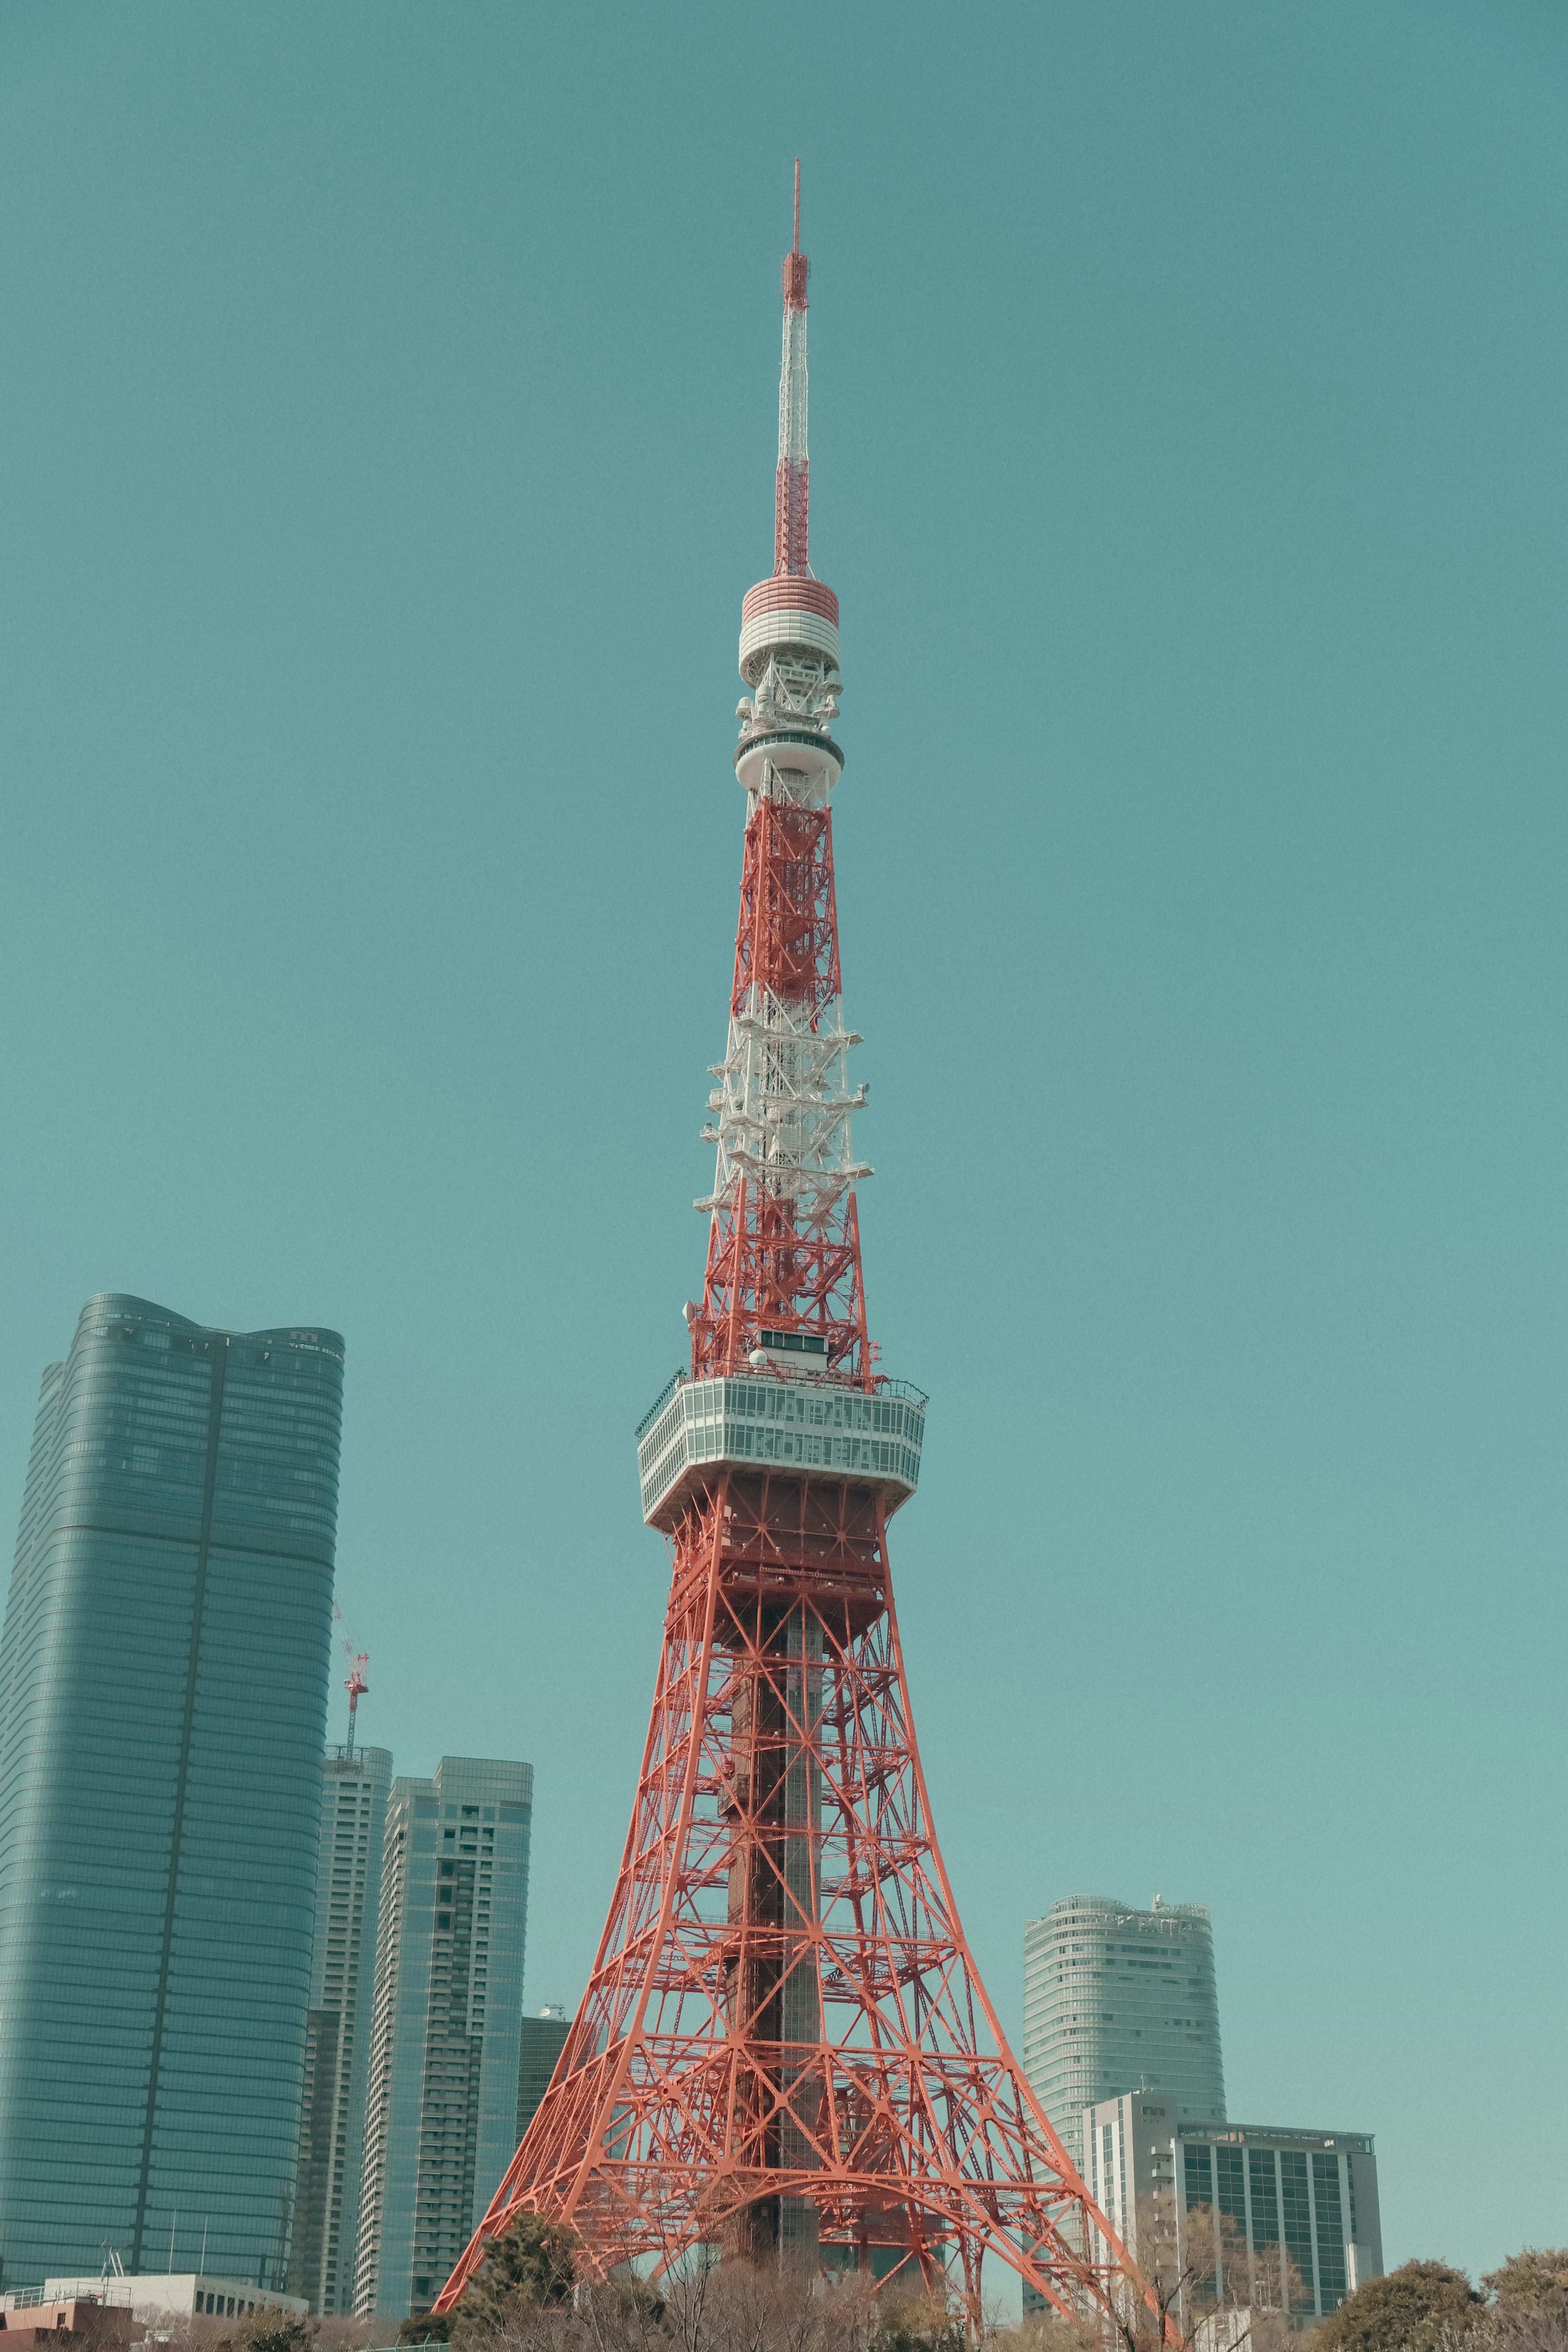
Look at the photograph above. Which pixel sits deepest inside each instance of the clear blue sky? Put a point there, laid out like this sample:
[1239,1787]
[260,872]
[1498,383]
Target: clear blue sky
[388,406]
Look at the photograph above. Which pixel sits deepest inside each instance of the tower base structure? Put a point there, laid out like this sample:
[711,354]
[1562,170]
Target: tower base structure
[785,2050]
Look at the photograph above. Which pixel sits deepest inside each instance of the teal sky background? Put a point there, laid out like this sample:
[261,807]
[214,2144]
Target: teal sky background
[390,400]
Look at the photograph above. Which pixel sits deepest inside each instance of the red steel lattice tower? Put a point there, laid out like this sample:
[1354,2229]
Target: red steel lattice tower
[785,2048]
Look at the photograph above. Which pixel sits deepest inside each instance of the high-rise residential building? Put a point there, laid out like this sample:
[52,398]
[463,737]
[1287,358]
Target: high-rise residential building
[539,2044]
[354,1785]
[163,1705]
[1117,2000]
[1315,2194]
[442,2116]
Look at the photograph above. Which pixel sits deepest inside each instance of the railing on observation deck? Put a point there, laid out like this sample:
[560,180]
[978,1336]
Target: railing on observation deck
[769,1418]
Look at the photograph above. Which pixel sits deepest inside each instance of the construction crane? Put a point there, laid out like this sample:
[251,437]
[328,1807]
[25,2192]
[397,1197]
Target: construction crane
[356,1685]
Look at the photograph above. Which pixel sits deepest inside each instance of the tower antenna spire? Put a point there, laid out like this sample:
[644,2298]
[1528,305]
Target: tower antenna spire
[792,483]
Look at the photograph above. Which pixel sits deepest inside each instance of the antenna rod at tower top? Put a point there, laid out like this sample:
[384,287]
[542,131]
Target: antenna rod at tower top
[792,496]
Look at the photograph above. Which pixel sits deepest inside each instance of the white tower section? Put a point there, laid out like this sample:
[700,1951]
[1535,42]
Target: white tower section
[781,1109]
[792,388]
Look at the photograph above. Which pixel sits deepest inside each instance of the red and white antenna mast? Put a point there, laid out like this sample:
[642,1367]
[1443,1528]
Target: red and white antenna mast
[785,2046]
[793,485]
[784,1240]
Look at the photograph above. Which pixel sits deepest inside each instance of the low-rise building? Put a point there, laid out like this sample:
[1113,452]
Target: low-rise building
[1313,2194]
[51,2323]
[162,2295]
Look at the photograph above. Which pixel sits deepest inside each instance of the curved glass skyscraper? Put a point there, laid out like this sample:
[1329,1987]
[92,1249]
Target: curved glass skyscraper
[163,1703]
[1117,2000]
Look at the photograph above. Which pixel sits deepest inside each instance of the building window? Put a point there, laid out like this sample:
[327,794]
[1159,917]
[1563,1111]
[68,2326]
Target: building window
[1296,2213]
[1265,2197]
[1331,2231]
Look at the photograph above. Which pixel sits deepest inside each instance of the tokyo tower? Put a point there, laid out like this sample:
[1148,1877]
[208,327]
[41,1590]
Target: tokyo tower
[785,2049]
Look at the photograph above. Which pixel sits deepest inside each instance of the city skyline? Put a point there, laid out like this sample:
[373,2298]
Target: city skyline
[1191,453]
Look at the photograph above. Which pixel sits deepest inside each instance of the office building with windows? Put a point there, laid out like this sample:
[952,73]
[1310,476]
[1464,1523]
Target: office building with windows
[161,2302]
[1117,2000]
[441,2122]
[1311,2195]
[539,2044]
[354,1785]
[163,1705]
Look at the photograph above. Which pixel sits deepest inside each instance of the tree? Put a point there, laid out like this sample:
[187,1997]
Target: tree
[1533,2280]
[917,2323]
[528,2266]
[1191,2278]
[264,2330]
[1408,2311]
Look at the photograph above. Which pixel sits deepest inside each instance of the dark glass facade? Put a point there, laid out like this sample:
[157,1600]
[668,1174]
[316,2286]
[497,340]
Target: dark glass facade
[1298,2190]
[539,2044]
[163,1672]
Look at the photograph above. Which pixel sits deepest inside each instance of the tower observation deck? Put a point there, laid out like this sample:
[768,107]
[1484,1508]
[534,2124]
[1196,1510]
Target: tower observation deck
[785,2048]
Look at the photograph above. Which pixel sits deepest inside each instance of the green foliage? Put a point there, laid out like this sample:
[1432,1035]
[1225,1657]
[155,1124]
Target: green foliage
[1533,2280]
[1404,2312]
[528,2266]
[425,2328]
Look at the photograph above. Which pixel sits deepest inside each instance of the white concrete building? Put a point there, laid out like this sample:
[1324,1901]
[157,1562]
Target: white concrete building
[163,2295]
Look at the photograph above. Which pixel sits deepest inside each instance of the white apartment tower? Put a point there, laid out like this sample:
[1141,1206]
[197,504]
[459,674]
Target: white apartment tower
[354,1784]
[440,2122]
[1117,2000]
